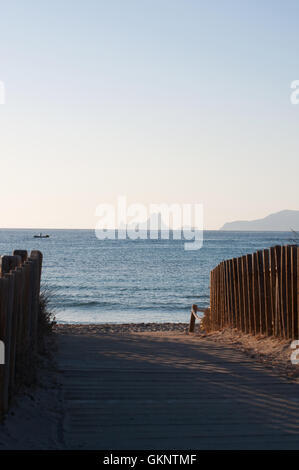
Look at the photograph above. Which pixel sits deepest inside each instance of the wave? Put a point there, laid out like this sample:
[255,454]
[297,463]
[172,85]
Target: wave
[89,303]
[198,296]
[127,307]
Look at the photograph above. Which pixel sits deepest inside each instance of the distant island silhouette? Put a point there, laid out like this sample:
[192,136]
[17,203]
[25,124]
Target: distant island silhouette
[154,222]
[284,221]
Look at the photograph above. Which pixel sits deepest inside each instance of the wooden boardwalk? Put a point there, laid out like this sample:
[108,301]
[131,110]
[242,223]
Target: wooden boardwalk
[154,391]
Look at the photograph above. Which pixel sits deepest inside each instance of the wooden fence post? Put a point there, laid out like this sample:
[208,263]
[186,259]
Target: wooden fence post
[216,319]
[288,292]
[297,289]
[260,272]
[225,319]
[26,319]
[8,336]
[278,315]
[34,290]
[272,261]
[4,369]
[245,294]
[240,294]
[224,300]
[256,294]
[22,253]
[9,263]
[294,307]
[213,322]
[14,329]
[251,323]
[219,298]
[283,293]
[232,296]
[192,319]
[36,254]
[236,292]
[29,298]
[20,274]
[228,296]
[267,293]
[212,294]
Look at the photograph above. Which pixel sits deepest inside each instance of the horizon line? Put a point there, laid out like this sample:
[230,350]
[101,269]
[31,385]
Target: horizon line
[160,230]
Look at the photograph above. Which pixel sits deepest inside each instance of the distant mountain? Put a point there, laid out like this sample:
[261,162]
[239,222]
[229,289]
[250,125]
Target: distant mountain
[280,221]
[155,222]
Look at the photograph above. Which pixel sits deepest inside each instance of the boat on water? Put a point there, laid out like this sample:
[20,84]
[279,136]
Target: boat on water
[41,236]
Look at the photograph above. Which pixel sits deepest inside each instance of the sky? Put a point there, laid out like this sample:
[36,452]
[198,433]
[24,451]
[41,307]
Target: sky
[163,101]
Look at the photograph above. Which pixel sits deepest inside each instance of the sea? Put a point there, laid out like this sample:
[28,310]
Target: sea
[130,281]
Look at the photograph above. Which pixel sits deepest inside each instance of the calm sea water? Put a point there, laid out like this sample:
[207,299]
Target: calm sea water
[131,281]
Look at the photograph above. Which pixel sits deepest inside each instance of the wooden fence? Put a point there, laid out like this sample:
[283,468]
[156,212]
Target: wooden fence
[20,276]
[257,293]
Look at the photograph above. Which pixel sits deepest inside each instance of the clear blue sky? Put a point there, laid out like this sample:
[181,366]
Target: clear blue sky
[163,101]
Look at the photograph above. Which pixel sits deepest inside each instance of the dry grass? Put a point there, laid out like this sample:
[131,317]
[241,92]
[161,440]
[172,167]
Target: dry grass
[31,356]
[272,351]
[46,318]
[206,323]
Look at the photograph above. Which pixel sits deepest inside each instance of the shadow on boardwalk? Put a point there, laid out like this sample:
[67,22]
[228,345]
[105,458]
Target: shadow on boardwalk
[166,391]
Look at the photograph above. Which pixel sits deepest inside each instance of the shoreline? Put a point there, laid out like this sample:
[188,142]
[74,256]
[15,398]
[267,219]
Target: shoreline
[93,328]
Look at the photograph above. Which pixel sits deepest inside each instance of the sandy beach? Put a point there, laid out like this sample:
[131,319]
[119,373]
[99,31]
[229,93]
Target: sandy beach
[121,328]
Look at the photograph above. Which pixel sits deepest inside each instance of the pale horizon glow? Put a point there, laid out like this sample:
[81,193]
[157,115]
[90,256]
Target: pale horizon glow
[164,101]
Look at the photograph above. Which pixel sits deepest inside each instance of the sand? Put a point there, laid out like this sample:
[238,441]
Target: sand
[122,328]
[37,415]
[34,419]
[272,352]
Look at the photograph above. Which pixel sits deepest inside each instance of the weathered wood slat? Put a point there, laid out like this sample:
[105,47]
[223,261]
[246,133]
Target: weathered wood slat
[250,294]
[267,293]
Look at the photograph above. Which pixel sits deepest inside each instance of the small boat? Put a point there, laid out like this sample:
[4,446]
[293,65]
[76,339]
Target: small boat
[41,236]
